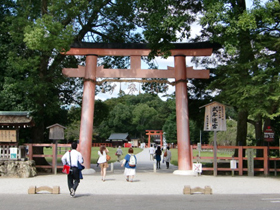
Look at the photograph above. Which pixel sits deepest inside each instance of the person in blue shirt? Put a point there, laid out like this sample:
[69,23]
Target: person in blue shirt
[129,163]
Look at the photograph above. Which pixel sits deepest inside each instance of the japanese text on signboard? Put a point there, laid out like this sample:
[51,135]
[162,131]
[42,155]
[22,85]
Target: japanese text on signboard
[8,136]
[215,117]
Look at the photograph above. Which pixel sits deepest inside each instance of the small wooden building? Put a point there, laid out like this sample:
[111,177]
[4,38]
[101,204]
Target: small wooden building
[118,139]
[11,122]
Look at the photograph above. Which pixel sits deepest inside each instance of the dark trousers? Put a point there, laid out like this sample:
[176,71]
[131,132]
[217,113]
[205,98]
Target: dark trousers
[73,179]
[167,164]
[158,164]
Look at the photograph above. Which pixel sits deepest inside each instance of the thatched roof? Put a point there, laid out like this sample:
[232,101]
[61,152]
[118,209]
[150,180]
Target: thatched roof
[16,118]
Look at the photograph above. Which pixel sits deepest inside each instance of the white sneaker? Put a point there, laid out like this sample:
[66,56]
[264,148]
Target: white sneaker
[72,192]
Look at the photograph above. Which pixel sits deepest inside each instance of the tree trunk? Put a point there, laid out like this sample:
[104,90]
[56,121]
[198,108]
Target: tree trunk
[38,137]
[241,130]
[259,136]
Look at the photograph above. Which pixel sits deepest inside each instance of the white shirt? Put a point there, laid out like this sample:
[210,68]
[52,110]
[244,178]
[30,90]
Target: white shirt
[102,157]
[75,157]
[152,150]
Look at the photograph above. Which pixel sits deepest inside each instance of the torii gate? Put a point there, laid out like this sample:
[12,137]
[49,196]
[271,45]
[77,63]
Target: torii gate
[180,72]
[153,133]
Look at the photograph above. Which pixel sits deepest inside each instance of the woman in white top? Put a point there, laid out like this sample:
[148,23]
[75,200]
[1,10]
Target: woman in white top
[102,161]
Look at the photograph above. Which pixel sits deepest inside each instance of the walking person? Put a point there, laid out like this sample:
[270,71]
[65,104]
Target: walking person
[167,155]
[102,161]
[119,153]
[158,156]
[73,158]
[129,163]
[152,152]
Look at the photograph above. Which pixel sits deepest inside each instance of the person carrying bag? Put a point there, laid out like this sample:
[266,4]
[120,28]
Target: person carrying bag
[74,159]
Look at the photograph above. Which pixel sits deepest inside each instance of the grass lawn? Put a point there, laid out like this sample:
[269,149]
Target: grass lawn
[94,155]
[221,153]
[112,151]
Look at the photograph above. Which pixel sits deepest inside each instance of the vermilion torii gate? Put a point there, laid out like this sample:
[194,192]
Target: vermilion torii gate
[180,72]
[154,133]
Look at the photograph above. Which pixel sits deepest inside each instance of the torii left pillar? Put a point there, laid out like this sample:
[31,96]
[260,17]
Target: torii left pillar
[182,117]
[85,141]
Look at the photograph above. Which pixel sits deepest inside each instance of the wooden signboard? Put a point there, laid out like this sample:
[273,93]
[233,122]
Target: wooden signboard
[215,117]
[8,135]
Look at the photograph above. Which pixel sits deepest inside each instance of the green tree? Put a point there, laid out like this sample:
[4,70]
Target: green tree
[246,74]
[227,138]
[165,22]
[170,128]
[142,118]
[35,33]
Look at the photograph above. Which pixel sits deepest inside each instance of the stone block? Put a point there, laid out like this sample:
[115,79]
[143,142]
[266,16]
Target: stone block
[35,190]
[187,190]
[32,190]
[208,190]
[56,190]
[44,188]
[197,190]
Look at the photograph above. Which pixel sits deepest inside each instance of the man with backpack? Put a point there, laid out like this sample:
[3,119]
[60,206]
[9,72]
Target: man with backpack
[129,163]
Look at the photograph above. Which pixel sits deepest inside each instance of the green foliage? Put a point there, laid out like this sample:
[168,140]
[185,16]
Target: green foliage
[47,34]
[228,137]
[165,22]
[32,36]
[247,75]
[133,114]
[170,128]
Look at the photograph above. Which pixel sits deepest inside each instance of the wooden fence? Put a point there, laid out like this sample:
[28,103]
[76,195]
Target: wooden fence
[240,169]
[61,148]
[266,160]
[99,144]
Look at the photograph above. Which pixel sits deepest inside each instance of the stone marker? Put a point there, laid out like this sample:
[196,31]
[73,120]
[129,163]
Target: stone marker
[34,189]
[189,191]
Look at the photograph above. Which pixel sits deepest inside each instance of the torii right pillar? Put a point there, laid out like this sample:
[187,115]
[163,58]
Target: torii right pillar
[182,116]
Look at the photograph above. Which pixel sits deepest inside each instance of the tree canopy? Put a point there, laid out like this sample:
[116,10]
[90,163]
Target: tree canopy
[244,73]
[246,76]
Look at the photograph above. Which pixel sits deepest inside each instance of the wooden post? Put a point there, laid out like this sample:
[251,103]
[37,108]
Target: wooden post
[265,160]
[30,151]
[240,160]
[54,157]
[215,154]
